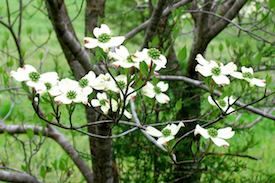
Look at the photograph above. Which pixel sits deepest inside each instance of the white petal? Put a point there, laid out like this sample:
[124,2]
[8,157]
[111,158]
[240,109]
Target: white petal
[221,79]
[148,90]
[211,101]
[228,68]
[162,98]
[203,132]
[163,86]
[238,75]
[63,99]
[257,82]
[204,70]
[163,140]
[219,142]
[153,131]
[244,69]
[127,114]
[201,60]
[95,103]
[116,41]
[175,128]
[105,108]
[225,133]
[103,29]
[48,77]
[90,42]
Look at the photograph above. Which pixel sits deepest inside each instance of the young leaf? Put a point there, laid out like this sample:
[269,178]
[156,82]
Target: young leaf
[143,67]
[179,105]
[182,54]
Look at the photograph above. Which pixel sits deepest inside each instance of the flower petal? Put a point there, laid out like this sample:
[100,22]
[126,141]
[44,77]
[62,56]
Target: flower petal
[162,98]
[163,140]
[225,133]
[221,79]
[257,82]
[219,142]
[238,75]
[203,132]
[153,131]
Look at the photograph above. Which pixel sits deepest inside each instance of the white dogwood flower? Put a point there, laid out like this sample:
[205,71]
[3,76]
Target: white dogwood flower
[33,78]
[247,74]
[104,103]
[217,71]
[152,91]
[88,82]
[123,58]
[223,103]
[71,92]
[217,136]
[167,134]
[105,82]
[151,55]
[103,39]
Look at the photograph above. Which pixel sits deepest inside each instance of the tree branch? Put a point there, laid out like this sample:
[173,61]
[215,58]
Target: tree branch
[200,84]
[168,10]
[143,131]
[153,24]
[16,177]
[59,138]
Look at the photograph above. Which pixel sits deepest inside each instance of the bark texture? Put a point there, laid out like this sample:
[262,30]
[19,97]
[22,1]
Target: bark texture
[79,61]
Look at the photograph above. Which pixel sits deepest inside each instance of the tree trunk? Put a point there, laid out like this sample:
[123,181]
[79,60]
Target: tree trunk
[79,61]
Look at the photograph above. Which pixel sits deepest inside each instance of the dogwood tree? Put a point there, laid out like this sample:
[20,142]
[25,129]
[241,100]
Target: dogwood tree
[120,87]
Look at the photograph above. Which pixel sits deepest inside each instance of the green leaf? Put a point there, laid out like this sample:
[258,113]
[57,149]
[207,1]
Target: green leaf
[10,62]
[42,171]
[30,133]
[179,105]
[62,165]
[41,55]
[272,4]
[258,59]
[25,87]
[143,67]
[221,47]
[155,42]
[182,54]
[54,164]
[194,148]
[6,34]
[227,42]
[268,80]
[155,80]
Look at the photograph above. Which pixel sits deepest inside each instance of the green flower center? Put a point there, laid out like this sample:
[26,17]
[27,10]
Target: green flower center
[212,132]
[166,132]
[121,84]
[154,53]
[222,103]
[34,76]
[216,71]
[48,86]
[129,59]
[71,94]
[102,102]
[83,82]
[157,90]
[248,75]
[103,38]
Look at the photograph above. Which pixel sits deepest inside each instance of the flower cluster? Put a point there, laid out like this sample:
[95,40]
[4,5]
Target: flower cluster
[217,136]
[113,91]
[220,73]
